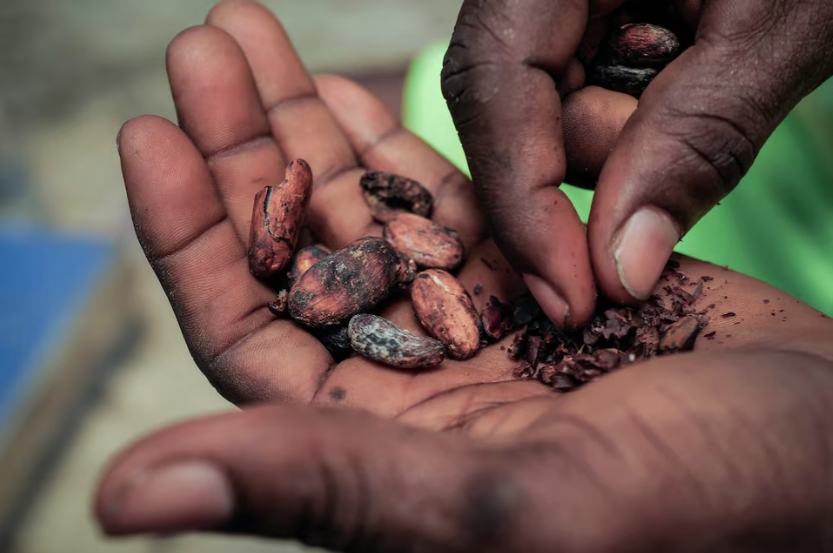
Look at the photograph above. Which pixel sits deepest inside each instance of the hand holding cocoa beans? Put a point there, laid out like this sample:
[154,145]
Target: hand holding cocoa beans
[475,460]
[543,92]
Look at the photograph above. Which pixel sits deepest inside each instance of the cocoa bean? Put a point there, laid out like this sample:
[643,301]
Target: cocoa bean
[430,245]
[388,195]
[408,269]
[277,220]
[680,336]
[337,341]
[447,312]
[643,45]
[354,279]
[381,340]
[496,319]
[304,259]
[628,80]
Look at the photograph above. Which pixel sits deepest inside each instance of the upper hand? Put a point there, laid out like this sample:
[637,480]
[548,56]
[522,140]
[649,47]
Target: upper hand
[695,133]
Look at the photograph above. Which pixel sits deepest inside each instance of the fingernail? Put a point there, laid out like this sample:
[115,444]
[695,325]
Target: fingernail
[555,306]
[642,250]
[174,498]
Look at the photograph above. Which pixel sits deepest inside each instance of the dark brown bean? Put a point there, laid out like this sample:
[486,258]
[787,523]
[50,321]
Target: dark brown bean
[388,195]
[619,78]
[643,45]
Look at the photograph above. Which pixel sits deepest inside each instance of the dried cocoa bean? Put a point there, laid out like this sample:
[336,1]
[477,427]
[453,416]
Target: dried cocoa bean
[447,312]
[337,341]
[680,336]
[277,220]
[408,269]
[430,245]
[355,279]
[304,259]
[643,45]
[381,340]
[388,195]
[619,78]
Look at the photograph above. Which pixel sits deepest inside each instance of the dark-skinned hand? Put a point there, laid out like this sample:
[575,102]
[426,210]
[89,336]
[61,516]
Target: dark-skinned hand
[515,88]
[726,447]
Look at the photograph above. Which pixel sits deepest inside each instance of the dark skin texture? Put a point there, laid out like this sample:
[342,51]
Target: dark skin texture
[509,78]
[726,448]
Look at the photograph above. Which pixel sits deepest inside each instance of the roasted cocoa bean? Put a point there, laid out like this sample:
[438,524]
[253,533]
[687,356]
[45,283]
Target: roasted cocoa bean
[430,245]
[304,259]
[388,195]
[337,341]
[277,220]
[619,78]
[355,279]
[447,312]
[680,336]
[381,340]
[643,45]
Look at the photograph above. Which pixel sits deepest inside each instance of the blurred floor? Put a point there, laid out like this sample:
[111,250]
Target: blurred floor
[72,73]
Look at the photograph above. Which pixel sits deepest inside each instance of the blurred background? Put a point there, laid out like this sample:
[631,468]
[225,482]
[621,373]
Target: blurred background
[91,356]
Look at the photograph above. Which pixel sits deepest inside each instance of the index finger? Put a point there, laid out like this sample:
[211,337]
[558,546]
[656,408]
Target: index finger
[499,79]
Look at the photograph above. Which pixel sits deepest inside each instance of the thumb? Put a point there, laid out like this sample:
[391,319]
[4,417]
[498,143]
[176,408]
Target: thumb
[336,479]
[697,130]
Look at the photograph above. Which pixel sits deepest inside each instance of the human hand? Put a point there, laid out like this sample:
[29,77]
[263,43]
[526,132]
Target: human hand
[696,131]
[724,449]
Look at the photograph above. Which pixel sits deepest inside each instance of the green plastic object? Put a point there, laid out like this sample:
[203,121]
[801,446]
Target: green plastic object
[776,226]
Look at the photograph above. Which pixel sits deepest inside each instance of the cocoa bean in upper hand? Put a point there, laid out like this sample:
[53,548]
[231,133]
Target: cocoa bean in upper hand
[447,312]
[388,195]
[381,340]
[277,221]
[643,45]
[354,279]
[303,260]
[628,80]
[430,245]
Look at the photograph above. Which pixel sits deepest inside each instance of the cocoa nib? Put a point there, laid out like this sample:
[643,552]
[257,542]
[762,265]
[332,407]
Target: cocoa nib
[496,319]
[615,337]
[388,195]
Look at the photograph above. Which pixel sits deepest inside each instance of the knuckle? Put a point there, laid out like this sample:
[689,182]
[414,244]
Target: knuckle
[490,503]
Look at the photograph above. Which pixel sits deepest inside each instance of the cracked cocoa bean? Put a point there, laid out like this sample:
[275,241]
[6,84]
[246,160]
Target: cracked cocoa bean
[277,221]
[354,279]
[381,340]
[681,335]
[388,195]
[430,245]
[643,45]
[447,312]
[303,260]
[619,78]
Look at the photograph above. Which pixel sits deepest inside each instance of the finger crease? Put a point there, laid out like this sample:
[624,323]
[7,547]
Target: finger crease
[291,101]
[240,147]
[163,258]
[334,173]
[381,139]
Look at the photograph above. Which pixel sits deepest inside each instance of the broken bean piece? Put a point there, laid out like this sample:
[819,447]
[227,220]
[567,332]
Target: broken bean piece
[430,245]
[407,269]
[388,195]
[496,319]
[279,306]
[277,220]
[381,340]
[643,45]
[354,279]
[680,336]
[304,259]
[447,312]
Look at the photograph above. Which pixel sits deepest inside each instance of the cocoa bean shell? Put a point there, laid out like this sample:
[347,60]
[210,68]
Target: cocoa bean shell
[430,245]
[277,220]
[680,336]
[387,195]
[447,312]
